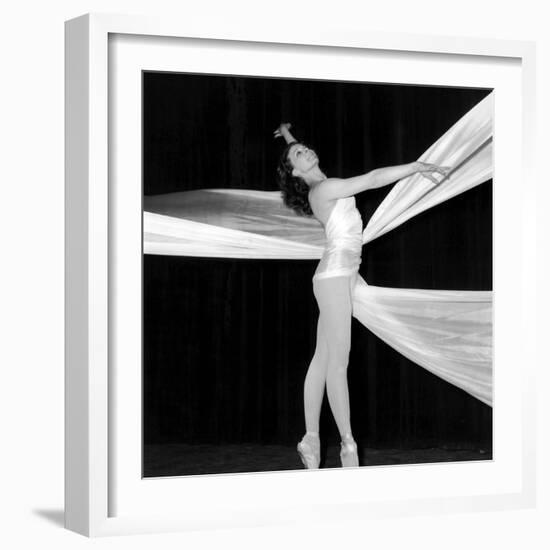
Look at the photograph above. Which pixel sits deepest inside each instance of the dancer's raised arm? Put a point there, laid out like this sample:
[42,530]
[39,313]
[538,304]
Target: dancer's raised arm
[336,188]
[283,131]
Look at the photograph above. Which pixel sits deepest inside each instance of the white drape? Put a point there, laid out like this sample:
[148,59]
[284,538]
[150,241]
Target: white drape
[447,332]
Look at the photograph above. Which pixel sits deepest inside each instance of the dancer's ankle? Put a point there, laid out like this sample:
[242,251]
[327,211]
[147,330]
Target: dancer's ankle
[309,449]
[311,438]
[348,436]
[348,452]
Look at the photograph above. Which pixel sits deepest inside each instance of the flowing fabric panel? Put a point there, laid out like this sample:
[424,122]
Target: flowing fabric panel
[228,223]
[447,332]
[467,147]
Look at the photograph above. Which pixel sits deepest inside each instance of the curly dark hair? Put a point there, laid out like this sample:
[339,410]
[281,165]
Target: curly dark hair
[294,190]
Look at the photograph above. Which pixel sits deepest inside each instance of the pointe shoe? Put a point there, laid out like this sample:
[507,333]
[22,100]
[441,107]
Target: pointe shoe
[310,454]
[348,453]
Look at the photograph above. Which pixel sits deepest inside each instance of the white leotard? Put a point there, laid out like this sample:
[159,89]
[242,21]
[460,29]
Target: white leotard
[344,228]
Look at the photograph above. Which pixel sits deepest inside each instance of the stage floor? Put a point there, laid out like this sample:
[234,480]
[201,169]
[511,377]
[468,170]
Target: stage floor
[179,460]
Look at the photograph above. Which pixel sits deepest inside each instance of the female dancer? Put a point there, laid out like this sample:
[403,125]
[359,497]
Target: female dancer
[307,190]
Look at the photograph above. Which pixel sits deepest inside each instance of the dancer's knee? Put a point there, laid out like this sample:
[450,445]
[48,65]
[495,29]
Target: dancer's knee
[338,351]
[320,357]
[339,364]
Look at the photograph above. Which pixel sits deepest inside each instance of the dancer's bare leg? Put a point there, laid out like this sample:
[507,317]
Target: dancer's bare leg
[309,447]
[335,308]
[315,382]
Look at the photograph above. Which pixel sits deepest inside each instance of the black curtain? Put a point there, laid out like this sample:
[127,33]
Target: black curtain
[226,343]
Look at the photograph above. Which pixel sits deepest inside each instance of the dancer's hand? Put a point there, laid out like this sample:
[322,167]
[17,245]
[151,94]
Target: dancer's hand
[427,171]
[280,131]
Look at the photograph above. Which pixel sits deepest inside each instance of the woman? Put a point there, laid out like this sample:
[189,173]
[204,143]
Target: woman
[309,191]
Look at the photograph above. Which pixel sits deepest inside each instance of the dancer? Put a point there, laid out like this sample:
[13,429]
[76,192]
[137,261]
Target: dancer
[308,191]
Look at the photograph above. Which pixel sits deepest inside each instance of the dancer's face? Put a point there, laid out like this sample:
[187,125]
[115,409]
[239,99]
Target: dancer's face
[302,159]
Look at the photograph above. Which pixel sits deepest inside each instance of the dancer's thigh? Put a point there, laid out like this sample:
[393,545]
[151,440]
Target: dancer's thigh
[333,297]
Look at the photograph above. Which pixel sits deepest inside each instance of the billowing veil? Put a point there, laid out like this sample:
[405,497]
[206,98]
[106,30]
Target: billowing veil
[446,332]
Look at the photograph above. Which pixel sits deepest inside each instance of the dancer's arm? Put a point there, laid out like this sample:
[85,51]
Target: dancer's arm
[283,131]
[336,188]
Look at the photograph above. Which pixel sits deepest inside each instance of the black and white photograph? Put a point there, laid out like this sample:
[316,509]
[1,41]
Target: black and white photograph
[275,275]
[317,274]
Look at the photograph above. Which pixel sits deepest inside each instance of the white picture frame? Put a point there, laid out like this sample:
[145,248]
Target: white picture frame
[93,216]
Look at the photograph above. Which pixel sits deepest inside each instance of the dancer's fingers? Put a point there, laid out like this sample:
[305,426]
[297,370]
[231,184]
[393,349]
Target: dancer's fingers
[444,170]
[431,178]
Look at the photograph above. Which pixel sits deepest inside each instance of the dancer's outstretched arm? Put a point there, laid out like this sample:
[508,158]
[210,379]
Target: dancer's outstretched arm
[284,131]
[336,188]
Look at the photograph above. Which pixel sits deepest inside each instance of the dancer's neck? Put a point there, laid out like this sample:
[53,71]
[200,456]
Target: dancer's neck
[315,176]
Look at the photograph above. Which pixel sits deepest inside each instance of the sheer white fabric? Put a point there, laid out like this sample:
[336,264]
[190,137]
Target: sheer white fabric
[467,147]
[447,332]
[229,223]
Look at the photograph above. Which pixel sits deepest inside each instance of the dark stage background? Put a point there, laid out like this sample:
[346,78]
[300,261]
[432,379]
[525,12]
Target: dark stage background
[227,343]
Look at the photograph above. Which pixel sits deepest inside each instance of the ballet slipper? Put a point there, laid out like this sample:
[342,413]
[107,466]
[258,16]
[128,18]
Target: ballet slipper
[310,452]
[348,452]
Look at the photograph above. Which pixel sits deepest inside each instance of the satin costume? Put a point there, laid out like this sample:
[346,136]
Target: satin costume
[344,230]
